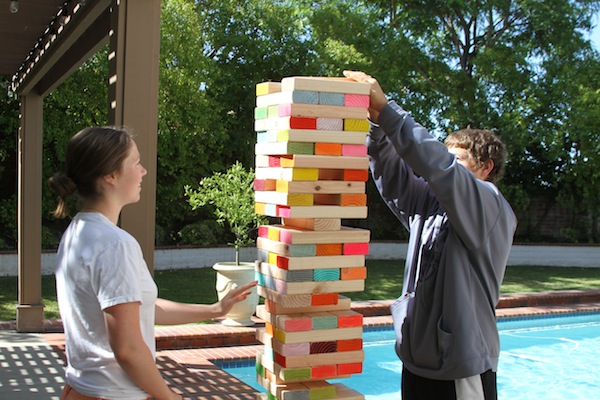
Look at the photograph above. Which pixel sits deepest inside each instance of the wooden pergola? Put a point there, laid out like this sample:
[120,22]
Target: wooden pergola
[45,41]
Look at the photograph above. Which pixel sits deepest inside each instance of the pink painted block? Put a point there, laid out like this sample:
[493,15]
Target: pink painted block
[284,212]
[285,110]
[263,231]
[356,249]
[280,286]
[298,325]
[354,150]
[285,236]
[295,349]
[356,100]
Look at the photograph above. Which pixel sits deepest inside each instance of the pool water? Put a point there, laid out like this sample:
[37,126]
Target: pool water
[546,358]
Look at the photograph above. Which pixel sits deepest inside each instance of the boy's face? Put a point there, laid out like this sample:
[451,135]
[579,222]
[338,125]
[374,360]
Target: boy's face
[463,156]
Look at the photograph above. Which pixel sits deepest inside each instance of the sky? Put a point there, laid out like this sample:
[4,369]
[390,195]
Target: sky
[595,36]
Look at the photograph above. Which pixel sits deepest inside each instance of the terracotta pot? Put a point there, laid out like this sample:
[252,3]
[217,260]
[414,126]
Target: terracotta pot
[230,276]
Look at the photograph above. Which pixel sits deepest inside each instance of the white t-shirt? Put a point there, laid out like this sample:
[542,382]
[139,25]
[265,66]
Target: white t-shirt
[100,265]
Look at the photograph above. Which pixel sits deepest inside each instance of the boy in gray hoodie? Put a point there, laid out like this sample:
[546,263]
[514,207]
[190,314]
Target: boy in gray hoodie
[461,230]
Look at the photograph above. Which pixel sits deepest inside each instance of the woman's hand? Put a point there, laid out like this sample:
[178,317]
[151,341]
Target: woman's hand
[233,297]
[378,98]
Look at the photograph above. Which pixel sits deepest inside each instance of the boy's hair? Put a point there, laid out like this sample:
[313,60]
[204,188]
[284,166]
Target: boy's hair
[483,145]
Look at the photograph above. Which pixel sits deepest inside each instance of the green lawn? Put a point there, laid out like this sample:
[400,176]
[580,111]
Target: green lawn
[384,281]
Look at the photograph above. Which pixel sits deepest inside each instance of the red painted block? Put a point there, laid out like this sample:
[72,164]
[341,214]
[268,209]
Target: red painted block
[263,231]
[352,249]
[283,262]
[348,321]
[323,371]
[347,369]
[356,175]
[303,123]
[279,359]
[350,344]
[324,299]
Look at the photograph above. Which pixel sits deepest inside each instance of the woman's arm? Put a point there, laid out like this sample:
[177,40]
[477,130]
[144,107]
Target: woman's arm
[173,313]
[132,353]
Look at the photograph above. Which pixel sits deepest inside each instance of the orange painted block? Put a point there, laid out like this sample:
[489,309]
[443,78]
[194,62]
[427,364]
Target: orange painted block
[330,249]
[282,262]
[347,369]
[328,149]
[354,199]
[357,175]
[356,248]
[269,328]
[349,345]
[323,371]
[323,299]
[265,185]
[348,274]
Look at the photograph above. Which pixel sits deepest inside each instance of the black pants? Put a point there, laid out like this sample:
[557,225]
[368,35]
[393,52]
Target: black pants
[418,388]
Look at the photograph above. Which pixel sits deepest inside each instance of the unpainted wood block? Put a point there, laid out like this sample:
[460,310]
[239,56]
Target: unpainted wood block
[286,349]
[332,162]
[296,263]
[344,303]
[322,111]
[320,359]
[292,301]
[285,249]
[294,96]
[315,224]
[313,136]
[288,174]
[284,148]
[276,123]
[265,161]
[325,84]
[320,187]
[357,212]
[285,199]
[294,235]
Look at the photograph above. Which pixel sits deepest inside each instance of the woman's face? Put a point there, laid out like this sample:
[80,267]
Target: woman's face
[129,178]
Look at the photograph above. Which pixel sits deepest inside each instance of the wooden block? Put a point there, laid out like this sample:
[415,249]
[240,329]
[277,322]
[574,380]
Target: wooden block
[288,276]
[265,209]
[356,248]
[284,148]
[287,174]
[321,299]
[321,390]
[320,359]
[320,187]
[272,307]
[321,212]
[313,136]
[344,392]
[327,149]
[264,88]
[322,111]
[260,112]
[350,368]
[346,234]
[286,199]
[332,274]
[329,249]
[354,150]
[269,137]
[357,100]
[356,175]
[329,124]
[291,301]
[353,273]
[311,161]
[344,199]
[283,348]
[266,124]
[359,125]
[285,249]
[264,161]
[276,123]
[348,345]
[324,320]
[334,99]
[315,224]
[323,372]
[265,184]
[295,96]
[347,319]
[319,288]
[325,84]
[324,347]
[295,263]
[295,323]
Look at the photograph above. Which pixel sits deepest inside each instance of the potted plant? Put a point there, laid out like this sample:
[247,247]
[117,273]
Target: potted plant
[232,195]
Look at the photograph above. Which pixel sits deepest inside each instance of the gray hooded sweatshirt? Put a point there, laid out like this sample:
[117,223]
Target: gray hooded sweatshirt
[461,230]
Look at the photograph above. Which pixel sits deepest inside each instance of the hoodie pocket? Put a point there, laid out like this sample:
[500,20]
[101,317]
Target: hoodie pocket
[399,310]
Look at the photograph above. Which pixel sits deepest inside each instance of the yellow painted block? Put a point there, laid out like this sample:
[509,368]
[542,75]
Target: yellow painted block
[358,125]
[267,87]
[259,208]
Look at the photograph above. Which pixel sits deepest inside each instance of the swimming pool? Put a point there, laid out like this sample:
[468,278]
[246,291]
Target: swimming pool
[554,357]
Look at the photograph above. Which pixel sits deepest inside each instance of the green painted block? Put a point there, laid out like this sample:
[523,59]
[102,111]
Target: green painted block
[326,275]
[260,113]
[260,370]
[322,393]
[296,374]
[300,148]
[324,322]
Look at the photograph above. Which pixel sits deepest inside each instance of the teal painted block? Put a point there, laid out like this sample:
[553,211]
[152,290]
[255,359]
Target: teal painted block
[331,99]
[324,322]
[303,275]
[326,275]
[302,250]
[305,97]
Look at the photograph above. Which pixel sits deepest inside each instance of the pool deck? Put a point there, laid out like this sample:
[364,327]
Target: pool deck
[31,365]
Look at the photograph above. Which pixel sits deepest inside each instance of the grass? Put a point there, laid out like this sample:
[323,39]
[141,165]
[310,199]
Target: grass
[384,281]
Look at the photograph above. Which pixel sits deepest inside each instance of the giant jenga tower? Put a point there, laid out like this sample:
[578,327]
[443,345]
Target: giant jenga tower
[311,169]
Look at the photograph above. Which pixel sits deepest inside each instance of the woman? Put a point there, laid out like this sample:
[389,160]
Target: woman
[107,297]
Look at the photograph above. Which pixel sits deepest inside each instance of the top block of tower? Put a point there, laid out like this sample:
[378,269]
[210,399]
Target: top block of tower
[322,84]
